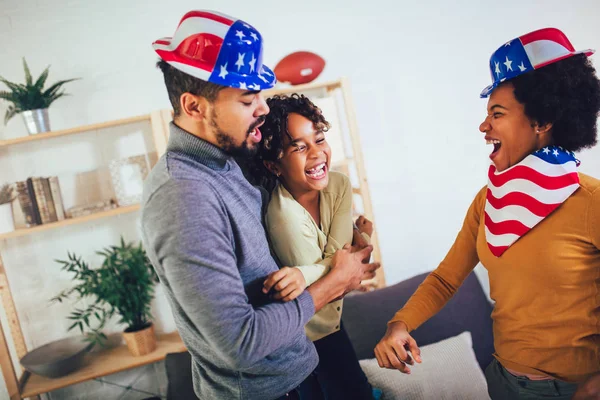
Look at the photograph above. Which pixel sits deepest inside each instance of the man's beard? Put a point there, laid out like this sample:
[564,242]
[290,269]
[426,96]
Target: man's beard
[227,143]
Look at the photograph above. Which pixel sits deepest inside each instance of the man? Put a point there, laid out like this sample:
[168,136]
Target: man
[202,227]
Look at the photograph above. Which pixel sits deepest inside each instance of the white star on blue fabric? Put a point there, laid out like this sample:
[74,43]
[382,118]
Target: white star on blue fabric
[252,62]
[498,72]
[247,26]
[508,64]
[522,67]
[546,150]
[223,73]
[555,152]
[254,87]
[240,62]
[243,86]
[263,78]
[507,44]
[264,71]
[254,36]
[240,34]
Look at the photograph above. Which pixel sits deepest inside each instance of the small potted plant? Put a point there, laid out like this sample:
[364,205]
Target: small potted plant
[123,285]
[7,222]
[31,100]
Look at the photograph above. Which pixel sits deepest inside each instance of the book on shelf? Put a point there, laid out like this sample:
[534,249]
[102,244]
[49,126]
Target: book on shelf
[40,200]
[57,198]
[33,198]
[27,209]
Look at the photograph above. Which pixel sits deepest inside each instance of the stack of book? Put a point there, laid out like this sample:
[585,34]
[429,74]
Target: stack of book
[40,200]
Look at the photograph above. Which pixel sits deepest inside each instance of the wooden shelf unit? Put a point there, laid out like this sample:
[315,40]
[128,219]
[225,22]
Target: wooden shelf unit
[102,363]
[115,360]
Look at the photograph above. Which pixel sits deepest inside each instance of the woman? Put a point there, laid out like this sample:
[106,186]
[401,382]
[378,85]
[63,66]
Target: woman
[535,227]
[309,218]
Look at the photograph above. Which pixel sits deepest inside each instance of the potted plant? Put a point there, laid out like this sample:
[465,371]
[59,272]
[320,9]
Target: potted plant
[31,100]
[122,285]
[7,222]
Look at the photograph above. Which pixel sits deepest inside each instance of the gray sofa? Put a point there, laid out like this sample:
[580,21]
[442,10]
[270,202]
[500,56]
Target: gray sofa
[365,317]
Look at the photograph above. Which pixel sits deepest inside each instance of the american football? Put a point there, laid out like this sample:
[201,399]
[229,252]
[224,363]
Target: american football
[299,67]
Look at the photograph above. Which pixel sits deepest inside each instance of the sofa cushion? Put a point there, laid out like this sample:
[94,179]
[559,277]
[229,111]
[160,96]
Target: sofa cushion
[447,367]
[366,315]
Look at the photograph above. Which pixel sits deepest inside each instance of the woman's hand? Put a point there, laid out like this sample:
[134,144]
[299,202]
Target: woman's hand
[364,225]
[288,283]
[393,349]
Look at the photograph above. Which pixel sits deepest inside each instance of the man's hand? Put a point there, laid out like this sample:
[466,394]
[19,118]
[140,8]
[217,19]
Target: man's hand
[288,284]
[364,225]
[350,264]
[392,350]
[347,271]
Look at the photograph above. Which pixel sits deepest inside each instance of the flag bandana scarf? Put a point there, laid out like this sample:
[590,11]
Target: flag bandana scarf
[521,196]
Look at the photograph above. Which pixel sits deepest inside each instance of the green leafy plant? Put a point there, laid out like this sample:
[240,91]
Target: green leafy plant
[122,285]
[6,193]
[31,95]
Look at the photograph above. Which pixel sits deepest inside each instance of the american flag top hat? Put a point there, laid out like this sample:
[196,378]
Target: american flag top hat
[527,53]
[217,48]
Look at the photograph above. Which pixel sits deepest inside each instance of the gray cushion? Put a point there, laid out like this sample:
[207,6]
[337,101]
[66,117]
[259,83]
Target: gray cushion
[366,315]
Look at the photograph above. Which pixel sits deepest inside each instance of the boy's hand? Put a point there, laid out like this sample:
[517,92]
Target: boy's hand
[288,283]
[364,225]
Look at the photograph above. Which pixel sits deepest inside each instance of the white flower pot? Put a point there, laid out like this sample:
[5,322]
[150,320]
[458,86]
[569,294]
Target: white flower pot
[7,222]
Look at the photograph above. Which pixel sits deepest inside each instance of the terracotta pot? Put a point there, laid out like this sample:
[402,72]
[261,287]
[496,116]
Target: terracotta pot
[141,342]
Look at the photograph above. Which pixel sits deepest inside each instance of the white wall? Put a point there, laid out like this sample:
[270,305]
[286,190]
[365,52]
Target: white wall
[416,70]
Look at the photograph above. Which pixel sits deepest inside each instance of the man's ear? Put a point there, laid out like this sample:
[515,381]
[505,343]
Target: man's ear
[195,107]
[273,167]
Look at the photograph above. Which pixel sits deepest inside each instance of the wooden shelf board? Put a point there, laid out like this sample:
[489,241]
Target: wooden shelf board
[301,88]
[70,221]
[102,363]
[72,131]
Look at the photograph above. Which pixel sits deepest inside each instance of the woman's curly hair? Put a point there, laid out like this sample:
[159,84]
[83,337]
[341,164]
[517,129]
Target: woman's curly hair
[565,94]
[275,129]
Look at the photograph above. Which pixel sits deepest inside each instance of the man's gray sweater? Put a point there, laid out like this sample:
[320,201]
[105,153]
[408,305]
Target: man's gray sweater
[203,232]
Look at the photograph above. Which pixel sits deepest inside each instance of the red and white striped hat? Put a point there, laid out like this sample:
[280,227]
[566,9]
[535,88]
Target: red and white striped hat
[529,52]
[217,48]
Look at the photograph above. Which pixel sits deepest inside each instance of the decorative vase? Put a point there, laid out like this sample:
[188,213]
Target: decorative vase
[141,342]
[37,121]
[7,222]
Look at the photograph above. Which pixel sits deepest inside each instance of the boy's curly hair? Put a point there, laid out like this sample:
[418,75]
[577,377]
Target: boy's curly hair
[275,129]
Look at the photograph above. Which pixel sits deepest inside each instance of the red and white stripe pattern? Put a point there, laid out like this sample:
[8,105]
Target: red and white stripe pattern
[214,27]
[523,195]
[547,46]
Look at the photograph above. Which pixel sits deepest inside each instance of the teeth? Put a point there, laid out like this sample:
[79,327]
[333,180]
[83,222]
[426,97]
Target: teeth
[317,171]
[492,142]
